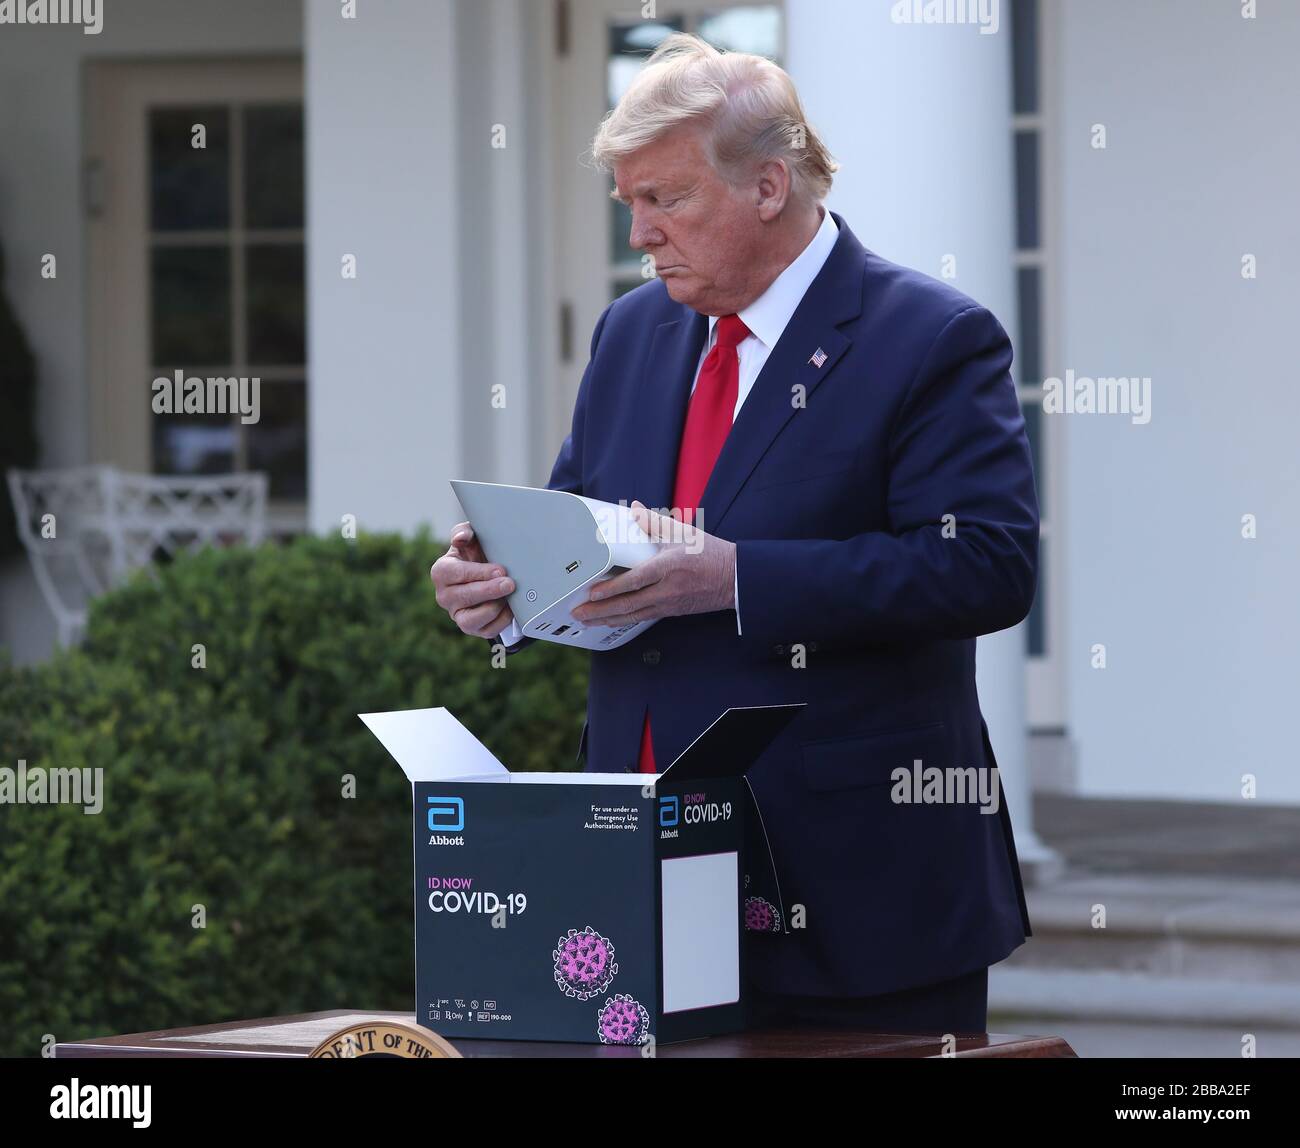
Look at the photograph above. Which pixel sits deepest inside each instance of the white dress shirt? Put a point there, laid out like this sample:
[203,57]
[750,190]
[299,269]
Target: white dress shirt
[766,318]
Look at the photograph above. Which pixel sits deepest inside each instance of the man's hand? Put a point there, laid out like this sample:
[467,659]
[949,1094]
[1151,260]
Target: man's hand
[693,573]
[470,588]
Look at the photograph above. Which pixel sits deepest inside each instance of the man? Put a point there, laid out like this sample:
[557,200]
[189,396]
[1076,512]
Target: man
[845,439]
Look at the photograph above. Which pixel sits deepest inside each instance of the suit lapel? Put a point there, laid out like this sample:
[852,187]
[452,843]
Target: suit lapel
[661,414]
[834,297]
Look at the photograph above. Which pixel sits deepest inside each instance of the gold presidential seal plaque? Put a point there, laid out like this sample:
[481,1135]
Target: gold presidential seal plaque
[384,1038]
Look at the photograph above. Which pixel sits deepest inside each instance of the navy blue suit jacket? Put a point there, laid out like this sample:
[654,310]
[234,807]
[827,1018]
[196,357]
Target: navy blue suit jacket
[837,506]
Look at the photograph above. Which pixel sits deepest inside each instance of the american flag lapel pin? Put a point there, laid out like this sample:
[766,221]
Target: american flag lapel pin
[818,357]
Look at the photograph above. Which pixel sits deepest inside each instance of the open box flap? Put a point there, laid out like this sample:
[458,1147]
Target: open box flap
[431,745]
[732,743]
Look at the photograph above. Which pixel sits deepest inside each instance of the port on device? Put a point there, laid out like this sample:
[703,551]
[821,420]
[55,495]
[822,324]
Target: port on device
[572,566]
[543,626]
[560,630]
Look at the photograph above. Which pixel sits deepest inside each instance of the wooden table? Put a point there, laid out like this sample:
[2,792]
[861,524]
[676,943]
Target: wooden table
[297,1035]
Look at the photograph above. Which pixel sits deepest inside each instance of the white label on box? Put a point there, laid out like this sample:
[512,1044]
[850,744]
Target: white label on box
[701,931]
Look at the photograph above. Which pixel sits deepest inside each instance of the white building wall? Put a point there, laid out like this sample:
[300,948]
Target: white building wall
[450,236]
[41,132]
[428,366]
[505,225]
[385,350]
[1201,627]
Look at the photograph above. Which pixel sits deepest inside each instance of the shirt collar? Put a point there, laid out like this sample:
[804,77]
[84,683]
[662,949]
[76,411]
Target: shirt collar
[771,312]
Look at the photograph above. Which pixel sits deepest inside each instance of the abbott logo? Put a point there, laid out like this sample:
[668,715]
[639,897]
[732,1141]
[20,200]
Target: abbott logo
[669,812]
[446,814]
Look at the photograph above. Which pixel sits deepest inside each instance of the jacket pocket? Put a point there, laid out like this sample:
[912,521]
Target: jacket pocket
[864,760]
[823,465]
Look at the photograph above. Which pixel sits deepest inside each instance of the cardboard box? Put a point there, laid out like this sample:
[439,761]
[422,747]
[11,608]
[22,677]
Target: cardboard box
[594,907]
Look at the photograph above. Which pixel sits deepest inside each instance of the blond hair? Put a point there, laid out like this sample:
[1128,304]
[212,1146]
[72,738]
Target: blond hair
[747,105]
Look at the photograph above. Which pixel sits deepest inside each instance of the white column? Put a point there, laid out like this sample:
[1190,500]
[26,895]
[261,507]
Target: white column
[498,166]
[385,395]
[919,117]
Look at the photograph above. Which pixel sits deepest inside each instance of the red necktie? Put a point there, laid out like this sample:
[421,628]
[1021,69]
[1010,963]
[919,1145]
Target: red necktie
[708,422]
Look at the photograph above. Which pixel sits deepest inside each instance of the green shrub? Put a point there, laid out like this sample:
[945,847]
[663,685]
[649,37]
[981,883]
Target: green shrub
[223,788]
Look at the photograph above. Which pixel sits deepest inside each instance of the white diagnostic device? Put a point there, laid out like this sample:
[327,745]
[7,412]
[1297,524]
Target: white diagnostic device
[555,546]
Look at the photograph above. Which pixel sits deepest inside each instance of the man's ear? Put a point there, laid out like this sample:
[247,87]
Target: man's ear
[772,189]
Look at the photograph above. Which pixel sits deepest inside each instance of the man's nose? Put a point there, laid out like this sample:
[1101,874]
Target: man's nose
[643,234]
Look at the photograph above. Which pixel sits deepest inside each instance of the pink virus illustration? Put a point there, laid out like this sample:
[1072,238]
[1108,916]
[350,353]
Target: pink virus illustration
[584,963]
[623,1020]
[761,916]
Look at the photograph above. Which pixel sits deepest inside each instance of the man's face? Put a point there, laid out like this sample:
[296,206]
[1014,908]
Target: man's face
[703,233]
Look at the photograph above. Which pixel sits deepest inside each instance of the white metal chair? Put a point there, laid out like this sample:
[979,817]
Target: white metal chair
[86,529]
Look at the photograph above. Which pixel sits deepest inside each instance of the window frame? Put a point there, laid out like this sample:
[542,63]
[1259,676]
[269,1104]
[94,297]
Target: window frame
[120,242]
